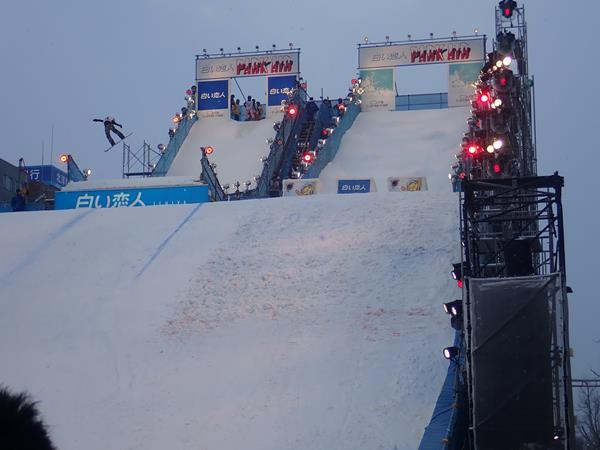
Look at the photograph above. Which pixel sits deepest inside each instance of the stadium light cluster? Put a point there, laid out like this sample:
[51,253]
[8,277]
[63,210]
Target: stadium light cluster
[488,146]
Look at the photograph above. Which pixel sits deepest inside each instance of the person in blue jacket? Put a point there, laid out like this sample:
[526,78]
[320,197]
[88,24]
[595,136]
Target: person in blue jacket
[18,201]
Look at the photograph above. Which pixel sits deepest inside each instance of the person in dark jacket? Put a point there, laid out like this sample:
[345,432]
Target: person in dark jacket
[18,201]
[109,125]
[311,109]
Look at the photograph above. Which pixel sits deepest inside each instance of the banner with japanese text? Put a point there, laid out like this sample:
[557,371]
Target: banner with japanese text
[232,66]
[278,89]
[356,186]
[461,83]
[213,99]
[420,53]
[379,91]
[120,198]
[47,174]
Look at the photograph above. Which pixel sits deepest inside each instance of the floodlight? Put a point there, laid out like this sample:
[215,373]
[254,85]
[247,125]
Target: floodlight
[454,308]
[456,271]
[451,352]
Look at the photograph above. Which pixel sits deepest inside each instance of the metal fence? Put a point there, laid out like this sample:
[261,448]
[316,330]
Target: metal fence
[413,102]
[165,161]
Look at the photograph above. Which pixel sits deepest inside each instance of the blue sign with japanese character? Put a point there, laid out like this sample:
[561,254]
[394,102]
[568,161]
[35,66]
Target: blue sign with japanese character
[213,95]
[119,198]
[278,88]
[47,174]
[354,186]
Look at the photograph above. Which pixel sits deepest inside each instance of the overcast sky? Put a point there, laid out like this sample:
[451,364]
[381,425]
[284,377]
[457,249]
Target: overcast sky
[66,62]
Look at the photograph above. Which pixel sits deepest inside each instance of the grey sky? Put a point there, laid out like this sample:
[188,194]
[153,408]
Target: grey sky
[68,61]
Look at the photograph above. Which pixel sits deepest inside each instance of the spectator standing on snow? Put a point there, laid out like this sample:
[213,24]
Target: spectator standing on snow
[311,109]
[248,108]
[341,108]
[18,201]
[260,111]
[236,110]
[254,110]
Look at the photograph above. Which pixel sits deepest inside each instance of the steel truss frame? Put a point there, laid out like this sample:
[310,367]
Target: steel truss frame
[140,162]
[496,213]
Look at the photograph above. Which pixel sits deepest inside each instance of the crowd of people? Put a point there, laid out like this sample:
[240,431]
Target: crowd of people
[251,109]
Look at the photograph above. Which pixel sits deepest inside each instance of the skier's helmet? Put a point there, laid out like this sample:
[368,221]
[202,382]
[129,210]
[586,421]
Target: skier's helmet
[110,119]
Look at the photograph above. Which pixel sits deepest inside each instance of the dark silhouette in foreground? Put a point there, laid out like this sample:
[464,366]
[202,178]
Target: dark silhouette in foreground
[21,427]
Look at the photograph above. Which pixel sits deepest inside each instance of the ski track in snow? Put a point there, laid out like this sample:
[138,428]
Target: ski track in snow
[51,239]
[164,243]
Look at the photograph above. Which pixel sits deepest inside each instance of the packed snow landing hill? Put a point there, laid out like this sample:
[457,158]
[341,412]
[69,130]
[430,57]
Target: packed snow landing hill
[288,323]
[238,149]
[384,145]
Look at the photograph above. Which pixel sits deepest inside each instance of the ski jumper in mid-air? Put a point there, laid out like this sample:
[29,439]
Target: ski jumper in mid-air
[109,125]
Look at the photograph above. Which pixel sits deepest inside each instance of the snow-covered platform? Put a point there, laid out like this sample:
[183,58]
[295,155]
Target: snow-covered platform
[398,144]
[296,323]
[238,147]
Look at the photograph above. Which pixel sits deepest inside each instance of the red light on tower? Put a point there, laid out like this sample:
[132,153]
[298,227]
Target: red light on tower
[497,168]
[307,158]
[64,158]
[484,97]
[507,7]
[292,110]
[209,150]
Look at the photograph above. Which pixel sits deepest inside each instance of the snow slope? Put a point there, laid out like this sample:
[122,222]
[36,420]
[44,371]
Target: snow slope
[398,143]
[238,149]
[296,323]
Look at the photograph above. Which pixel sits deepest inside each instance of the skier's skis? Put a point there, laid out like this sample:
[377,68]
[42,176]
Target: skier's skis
[121,140]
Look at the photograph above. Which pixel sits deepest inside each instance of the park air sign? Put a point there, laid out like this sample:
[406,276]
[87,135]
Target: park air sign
[419,53]
[264,64]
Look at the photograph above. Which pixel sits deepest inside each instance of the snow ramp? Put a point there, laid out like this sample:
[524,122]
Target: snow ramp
[238,147]
[381,145]
[287,323]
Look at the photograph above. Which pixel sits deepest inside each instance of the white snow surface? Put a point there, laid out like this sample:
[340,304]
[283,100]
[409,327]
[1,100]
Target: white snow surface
[238,147]
[398,144]
[290,323]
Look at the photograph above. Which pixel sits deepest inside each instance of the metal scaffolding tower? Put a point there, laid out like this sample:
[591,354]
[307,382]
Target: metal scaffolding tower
[140,162]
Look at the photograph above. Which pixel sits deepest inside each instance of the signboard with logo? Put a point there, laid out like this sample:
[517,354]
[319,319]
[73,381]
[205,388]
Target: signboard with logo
[47,174]
[407,184]
[301,187]
[277,91]
[247,65]
[379,89]
[423,52]
[461,80]
[213,98]
[120,198]
[354,186]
